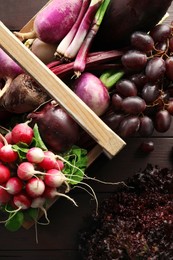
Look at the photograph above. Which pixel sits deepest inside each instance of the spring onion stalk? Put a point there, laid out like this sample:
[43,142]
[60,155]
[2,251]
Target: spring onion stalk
[83,29]
[80,60]
[111,77]
[66,41]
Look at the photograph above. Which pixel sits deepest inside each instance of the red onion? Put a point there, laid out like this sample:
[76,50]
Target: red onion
[93,92]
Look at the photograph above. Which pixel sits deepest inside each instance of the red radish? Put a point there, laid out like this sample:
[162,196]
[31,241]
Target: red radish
[54,178]
[35,187]
[51,193]
[4,195]
[22,201]
[8,137]
[38,202]
[4,174]
[59,165]
[35,155]
[22,133]
[50,162]
[1,144]
[14,185]
[54,21]
[25,171]
[7,154]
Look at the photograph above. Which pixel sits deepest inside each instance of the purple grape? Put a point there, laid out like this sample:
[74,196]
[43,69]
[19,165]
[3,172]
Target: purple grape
[126,88]
[160,32]
[133,105]
[116,102]
[147,146]
[162,121]
[169,68]
[134,60]
[129,126]
[146,126]
[161,46]
[169,107]
[142,41]
[171,44]
[155,69]
[139,79]
[150,93]
[113,120]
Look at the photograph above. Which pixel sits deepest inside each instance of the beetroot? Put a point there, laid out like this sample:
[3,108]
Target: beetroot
[57,129]
[23,95]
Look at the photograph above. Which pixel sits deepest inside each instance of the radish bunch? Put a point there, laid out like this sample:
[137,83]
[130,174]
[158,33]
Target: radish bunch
[31,175]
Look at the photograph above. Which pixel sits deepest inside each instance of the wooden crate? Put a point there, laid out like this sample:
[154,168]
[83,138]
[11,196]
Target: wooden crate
[107,141]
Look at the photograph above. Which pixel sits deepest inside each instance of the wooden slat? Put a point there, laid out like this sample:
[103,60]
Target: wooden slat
[59,91]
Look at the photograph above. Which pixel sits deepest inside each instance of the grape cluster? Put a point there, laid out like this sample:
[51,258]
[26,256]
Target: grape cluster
[142,100]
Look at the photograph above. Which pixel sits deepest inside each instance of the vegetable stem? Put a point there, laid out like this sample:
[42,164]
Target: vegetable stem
[110,77]
[80,60]
[95,58]
[25,36]
[64,44]
[83,29]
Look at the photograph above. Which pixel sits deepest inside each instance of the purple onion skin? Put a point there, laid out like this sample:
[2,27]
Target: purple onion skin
[124,17]
[56,19]
[93,92]
[8,67]
[57,129]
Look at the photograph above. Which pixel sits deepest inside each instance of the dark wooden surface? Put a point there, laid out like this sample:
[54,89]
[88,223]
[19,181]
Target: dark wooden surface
[59,240]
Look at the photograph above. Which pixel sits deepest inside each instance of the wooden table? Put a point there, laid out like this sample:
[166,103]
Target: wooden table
[59,240]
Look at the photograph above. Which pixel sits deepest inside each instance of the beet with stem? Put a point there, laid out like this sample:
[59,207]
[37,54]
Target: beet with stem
[57,129]
[23,95]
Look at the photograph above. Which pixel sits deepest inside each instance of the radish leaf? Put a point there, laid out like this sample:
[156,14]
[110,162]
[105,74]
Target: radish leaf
[76,165]
[38,142]
[21,149]
[14,223]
